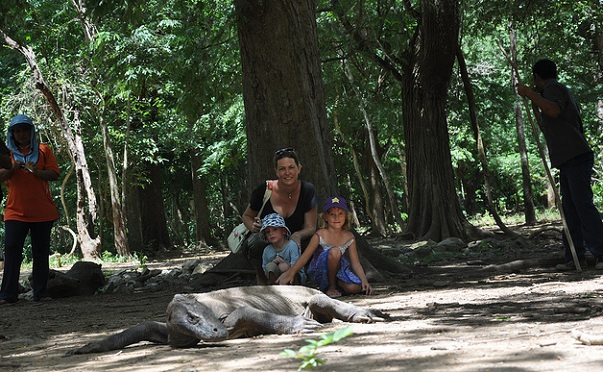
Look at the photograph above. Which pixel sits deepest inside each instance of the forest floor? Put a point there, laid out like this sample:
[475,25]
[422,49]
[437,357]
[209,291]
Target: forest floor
[454,315]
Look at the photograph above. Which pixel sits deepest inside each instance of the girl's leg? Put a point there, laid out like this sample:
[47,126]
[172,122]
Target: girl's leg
[349,288]
[333,266]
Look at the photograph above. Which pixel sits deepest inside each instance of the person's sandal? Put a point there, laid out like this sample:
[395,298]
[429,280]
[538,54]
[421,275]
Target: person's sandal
[333,293]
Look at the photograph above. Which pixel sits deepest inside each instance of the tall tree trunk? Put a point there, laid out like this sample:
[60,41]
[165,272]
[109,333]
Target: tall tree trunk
[283,91]
[201,209]
[377,204]
[120,238]
[133,210]
[86,203]
[402,159]
[435,211]
[528,199]
[154,224]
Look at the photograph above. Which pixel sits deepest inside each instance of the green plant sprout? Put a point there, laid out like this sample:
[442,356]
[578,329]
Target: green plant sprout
[308,352]
[142,260]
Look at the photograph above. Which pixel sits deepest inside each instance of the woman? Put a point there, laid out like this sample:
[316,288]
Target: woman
[29,208]
[291,197]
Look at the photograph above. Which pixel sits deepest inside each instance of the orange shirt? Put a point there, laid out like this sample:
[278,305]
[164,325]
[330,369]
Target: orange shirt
[29,198]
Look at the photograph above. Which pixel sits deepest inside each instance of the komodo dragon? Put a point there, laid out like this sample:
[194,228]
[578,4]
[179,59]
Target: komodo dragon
[237,312]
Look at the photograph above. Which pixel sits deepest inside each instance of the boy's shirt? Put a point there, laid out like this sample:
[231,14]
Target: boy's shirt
[290,253]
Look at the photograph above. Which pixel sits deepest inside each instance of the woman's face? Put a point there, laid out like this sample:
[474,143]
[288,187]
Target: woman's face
[22,134]
[287,170]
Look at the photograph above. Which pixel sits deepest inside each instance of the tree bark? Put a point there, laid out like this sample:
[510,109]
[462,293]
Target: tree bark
[283,91]
[154,224]
[201,205]
[376,205]
[118,216]
[528,199]
[434,210]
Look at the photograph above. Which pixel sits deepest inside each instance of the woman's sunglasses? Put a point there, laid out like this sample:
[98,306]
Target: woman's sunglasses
[284,150]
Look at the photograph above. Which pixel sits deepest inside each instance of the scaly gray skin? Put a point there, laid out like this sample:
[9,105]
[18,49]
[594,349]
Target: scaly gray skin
[237,312]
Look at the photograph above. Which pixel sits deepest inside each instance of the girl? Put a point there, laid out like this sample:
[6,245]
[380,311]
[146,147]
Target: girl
[335,265]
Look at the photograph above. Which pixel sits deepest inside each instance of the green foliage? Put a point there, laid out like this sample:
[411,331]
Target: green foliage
[142,260]
[307,353]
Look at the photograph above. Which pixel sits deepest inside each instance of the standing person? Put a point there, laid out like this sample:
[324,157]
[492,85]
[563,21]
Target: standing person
[29,208]
[294,199]
[335,265]
[281,253]
[559,117]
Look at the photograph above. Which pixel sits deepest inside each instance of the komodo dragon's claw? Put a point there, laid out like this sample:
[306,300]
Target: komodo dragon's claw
[369,316]
[306,325]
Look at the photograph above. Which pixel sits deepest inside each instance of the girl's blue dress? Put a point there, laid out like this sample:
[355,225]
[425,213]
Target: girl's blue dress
[319,270]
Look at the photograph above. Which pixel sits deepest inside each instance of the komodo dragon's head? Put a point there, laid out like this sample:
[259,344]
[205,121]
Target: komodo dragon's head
[189,321]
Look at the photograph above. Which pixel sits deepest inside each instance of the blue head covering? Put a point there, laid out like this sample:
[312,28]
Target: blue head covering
[32,155]
[273,220]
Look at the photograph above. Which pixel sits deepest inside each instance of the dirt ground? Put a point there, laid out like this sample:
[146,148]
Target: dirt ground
[456,315]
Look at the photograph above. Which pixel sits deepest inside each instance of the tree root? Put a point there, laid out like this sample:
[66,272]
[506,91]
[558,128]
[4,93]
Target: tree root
[543,230]
[516,265]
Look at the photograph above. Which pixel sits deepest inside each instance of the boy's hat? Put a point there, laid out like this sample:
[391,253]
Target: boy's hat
[335,202]
[274,220]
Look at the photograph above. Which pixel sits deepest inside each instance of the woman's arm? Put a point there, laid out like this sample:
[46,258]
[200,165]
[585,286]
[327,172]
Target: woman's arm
[310,221]
[250,219]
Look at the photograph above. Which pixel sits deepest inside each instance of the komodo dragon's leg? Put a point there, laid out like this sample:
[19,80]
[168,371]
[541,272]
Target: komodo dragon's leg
[323,308]
[145,331]
[249,321]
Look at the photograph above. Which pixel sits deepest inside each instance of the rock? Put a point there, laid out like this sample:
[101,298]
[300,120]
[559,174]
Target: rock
[83,279]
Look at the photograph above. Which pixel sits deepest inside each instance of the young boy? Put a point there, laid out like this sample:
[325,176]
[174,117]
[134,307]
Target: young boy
[281,253]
